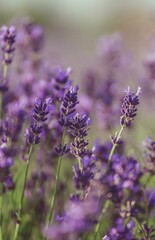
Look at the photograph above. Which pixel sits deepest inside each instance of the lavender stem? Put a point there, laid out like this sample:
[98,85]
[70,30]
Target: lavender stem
[5,70]
[97,228]
[115,145]
[1,203]
[52,203]
[18,223]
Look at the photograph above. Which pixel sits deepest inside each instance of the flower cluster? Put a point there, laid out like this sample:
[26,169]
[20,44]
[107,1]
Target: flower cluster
[39,114]
[129,107]
[78,129]
[64,188]
[70,100]
[7,40]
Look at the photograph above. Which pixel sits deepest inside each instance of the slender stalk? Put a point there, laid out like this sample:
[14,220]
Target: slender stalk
[18,223]
[1,97]
[140,227]
[80,164]
[5,71]
[98,226]
[146,206]
[53,199]
[115,145]
[1,203]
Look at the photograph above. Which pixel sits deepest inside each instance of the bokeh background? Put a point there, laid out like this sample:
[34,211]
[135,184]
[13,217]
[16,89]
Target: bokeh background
[75,25]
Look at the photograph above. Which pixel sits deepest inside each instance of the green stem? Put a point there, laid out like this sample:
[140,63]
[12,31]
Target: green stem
[1,97]
[1,203]
[5,71]
[53,199]
[18,223]
[146,206]
[115,145]
[140,227]
[98,226]
[147,181]
[80,164]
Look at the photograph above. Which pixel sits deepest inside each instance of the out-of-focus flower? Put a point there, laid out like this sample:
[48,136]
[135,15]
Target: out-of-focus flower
[7,40]
[80,217]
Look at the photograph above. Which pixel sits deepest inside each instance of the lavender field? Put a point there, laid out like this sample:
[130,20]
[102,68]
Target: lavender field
[77,161]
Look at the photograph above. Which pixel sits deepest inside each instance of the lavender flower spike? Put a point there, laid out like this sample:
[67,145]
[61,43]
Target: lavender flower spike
[78,129]
[39,114]
[129,109]
[7,40]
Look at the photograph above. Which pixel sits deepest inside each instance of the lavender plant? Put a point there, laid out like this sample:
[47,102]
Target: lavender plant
[55,184]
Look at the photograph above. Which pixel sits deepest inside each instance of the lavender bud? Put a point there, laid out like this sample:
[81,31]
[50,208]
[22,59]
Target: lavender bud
[61,150]
[69,102]
[78,128]
[39,114]
[129,110]
[7,40]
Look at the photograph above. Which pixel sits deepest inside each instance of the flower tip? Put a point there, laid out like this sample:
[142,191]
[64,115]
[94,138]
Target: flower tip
[138,91]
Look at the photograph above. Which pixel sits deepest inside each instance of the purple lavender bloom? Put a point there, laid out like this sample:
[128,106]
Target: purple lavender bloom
[39,113]
[61,150]
[69,101]
[5,175]
[78,127]
[121,231]
[7,40]
[110,50]
[82,178]
[124,173]
[129,109]
[80,217]
[62,76]
[41,110]
[36,35]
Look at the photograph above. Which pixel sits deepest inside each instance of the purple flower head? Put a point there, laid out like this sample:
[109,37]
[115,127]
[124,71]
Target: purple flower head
[41,109]
[61,150]
[62,76]
[7,40]
[36,35]
[121,231]
[5,164]
[78,127]
[110,50]
[39,113]
[69,102]
[9,184]
[82,178]
[129,110]
[80,217]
